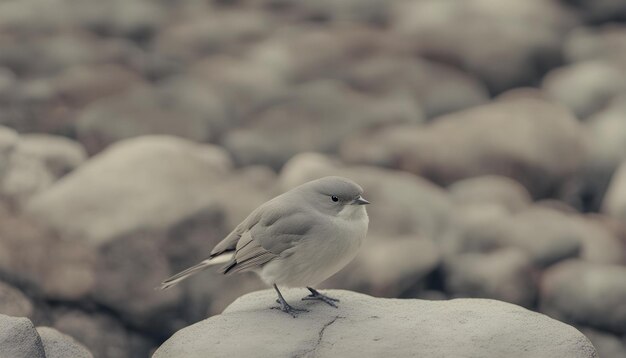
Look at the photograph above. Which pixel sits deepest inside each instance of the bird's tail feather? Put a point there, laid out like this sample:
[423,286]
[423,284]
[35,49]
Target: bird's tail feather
[195,269]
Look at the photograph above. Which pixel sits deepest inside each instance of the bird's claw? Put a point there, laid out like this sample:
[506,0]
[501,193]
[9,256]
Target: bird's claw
[315,295]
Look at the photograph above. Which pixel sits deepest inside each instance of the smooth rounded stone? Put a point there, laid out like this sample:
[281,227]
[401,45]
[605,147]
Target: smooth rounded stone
[490,189]
[403,204]
[313,127]
[507,274]
[599,244]
[535,142]
[245,86]
[389,266]
[13,302]
[607,345]
[103,335]
[59,345]
[19,339]
[212,32]
[81,85]
[59,269]
[588,294]
[454,33]
[386,327]
[8,141]
[614,203]
[199,114]
[607,130]
[128,187]
[547,235]
[585,87]
[437,88]
[606,42]
[60,155]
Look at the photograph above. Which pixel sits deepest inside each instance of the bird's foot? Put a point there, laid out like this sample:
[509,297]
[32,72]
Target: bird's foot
[315,295]
[287,308]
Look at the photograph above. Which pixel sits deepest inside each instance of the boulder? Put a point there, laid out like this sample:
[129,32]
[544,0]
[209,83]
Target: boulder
[535,142]
[604,42]
[614,203]
[585,87]
[365,326]
[100,333]
[198,112]
[19,339]
[490,190]
[13,302]
[313,127]
[506,274]
[588,294]
[59,345]
[454,33]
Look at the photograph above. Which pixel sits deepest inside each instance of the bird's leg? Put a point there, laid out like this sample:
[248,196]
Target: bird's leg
[285,307]
[315,295]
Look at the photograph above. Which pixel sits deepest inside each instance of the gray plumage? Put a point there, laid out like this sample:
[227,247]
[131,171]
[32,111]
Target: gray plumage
[299,238]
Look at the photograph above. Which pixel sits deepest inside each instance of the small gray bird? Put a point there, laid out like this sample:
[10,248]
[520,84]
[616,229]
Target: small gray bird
[298,239]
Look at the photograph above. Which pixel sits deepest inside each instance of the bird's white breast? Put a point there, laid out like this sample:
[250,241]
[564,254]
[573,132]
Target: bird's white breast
[325,250]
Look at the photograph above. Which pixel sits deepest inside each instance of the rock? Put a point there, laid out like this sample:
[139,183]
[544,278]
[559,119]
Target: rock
[614,203]
[462,327]
[607,345]
[505,274]
[13,302]
[599,244]
[405,204]
[605,42]
[101,334]
[319,128]
[454,33]
[60,155]
[491,189]
[198,111]
[607,129]
[26,177]
[59,345]
[437,88]
[547,235]
[589,294]
[8,141]
[533,141]
[585,87]
[137,217]
[19,339]
[389,266]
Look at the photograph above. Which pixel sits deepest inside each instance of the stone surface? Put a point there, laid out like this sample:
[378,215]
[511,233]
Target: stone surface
[59,345]
[14,303]
[584,293]
[364,326]
[490,190]
[19,339]
[585,87]
[526,138]
[605,42]
[313,127]
[506,274]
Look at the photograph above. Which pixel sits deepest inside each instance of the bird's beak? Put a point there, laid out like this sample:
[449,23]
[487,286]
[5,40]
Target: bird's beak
[360,201]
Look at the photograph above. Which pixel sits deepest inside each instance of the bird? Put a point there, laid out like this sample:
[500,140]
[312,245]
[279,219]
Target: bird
[297,239]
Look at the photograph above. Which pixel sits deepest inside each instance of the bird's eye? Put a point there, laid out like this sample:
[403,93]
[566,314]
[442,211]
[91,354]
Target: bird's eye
[334,198]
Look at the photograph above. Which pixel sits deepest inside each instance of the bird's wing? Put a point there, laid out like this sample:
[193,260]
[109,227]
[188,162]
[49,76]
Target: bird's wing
[229,243]
[278,229]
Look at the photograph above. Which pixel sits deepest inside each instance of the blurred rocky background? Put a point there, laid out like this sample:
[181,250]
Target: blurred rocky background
[489,135]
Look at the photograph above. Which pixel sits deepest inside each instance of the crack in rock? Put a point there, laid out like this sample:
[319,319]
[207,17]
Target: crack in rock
[313,351]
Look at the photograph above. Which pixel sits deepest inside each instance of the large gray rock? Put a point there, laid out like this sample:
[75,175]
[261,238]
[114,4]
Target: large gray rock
[454,32]
[19,339]
[521,136]
[606,42]
[585,87]
[614,202]
[490,190]
[59,345]
[584,293]
[364,326]
[318,116]
[13,302]
[506,274]
[182,107]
